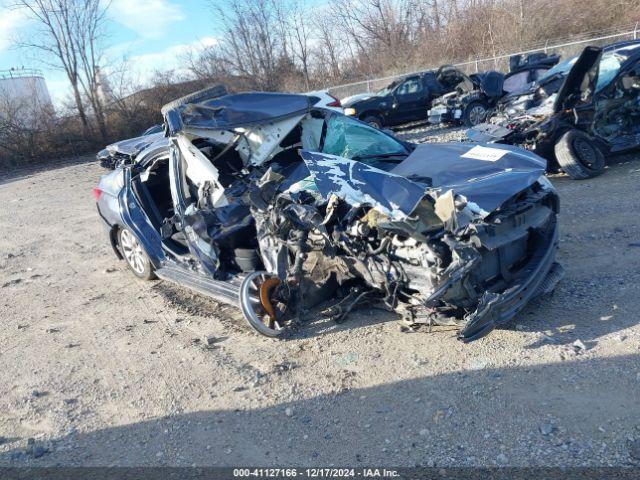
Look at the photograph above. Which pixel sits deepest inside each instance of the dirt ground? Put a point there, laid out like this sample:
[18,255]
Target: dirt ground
[98,368]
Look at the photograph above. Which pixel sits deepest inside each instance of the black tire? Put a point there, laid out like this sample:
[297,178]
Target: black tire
[578,155]
[252,309]
[474,114]
[373,121]
[135,256]
[196,97]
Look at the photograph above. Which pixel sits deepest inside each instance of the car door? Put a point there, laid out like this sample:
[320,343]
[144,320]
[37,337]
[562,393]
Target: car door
[409,101]
[137,217]
[190,220]
[580,83]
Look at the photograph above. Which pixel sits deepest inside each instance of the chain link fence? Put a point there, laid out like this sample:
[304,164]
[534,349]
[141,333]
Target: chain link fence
[565,48]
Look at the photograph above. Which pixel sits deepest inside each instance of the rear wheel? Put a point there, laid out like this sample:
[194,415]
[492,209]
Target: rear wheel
[373,121]
[474,114]
[578,155]
[258,305]
[135,256]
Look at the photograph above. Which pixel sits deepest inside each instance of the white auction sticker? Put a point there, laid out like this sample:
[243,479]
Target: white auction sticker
[485,153]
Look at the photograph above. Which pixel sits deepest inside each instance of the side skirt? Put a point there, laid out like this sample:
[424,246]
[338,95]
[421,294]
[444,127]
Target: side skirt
[226,292]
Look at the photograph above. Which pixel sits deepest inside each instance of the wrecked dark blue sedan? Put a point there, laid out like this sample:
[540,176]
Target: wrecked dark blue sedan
[271,203]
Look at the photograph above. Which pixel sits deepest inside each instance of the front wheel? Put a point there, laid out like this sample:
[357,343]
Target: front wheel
[474,114]
[136,257]
[578,156]
[259,304]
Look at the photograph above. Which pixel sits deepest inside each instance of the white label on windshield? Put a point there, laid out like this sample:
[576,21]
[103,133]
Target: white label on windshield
[485,153]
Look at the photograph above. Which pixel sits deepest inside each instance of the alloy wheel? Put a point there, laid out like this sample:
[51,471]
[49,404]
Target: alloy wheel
[133,252]
[257,303]
[476,114]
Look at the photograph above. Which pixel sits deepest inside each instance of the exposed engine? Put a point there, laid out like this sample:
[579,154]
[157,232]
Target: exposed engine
[430,272]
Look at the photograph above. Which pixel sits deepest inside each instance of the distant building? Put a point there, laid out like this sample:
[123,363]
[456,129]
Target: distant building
[23,95]
[105,95]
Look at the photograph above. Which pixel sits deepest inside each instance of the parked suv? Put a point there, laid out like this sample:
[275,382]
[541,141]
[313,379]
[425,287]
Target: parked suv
[404,100]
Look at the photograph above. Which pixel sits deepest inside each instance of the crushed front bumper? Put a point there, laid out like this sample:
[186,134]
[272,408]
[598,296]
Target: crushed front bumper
[537,277]
[444,115]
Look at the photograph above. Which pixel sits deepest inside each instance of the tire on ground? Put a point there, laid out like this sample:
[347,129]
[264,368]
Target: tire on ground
[578,155]
[148,272]
[196,97]
[250,306]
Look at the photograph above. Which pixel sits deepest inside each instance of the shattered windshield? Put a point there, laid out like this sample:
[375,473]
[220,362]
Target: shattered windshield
[355,140]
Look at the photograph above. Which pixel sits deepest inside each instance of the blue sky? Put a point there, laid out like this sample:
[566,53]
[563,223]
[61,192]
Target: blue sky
[151,33]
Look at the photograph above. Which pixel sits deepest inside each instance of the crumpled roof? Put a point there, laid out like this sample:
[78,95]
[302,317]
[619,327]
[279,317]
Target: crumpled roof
[133,146]
[244,109]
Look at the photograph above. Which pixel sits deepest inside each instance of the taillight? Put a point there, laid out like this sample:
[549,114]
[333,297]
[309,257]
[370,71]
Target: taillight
[97,193]
[335,103]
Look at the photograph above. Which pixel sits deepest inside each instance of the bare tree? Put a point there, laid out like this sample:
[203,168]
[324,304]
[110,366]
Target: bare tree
[89,21]
[70,34]
[299,32]
[330,46]
[252,45]
[385,32]
[124,86]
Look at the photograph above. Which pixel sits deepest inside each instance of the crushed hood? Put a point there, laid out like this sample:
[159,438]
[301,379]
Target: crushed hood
[485,175]
[454,78]
[361,184]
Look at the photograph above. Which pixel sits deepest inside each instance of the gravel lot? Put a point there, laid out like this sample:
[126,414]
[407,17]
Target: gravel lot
[101,369]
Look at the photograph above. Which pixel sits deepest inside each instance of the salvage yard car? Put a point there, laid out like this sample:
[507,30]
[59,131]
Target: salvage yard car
[126,151]
[273,204]
[596,110]
[475,95]
[403,101]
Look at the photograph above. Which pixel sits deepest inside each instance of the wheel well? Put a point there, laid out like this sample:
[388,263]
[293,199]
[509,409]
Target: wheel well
[371,113]
[115,243]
